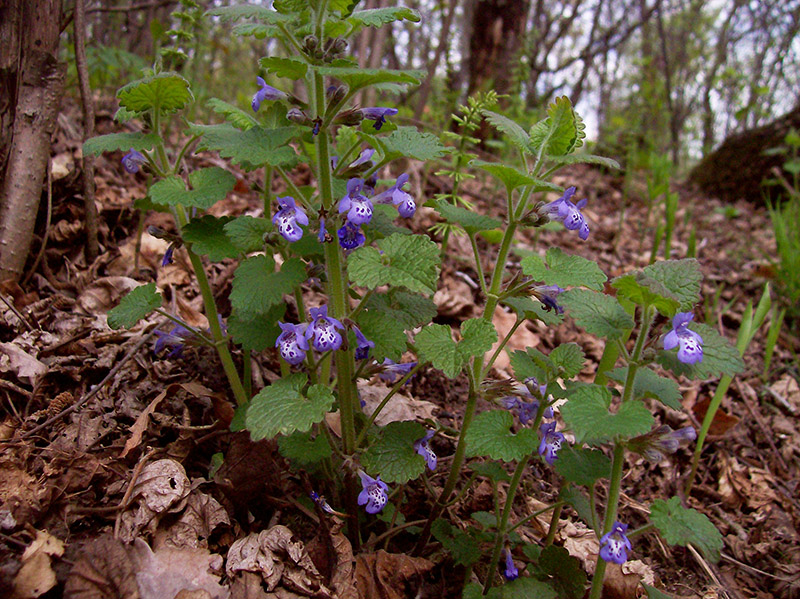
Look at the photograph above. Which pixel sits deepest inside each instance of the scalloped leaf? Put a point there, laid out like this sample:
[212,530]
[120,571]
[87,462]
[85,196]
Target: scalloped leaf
[388,335]
[250,149]
[357,78]
[515,133]
[256,288]
[649,384]
[256,332]
[561,132]
[393,455]
[249,11]
[564,270]
[643,290]
[436,345]
[567,359]
[588,416]
[207,237]
[290,68]
[682,278]
[410,309]
[463,547]
[597,313]
[234,115]
[303,450]
[471,221]
[490,436]
[134,306]
[510,176]
[585,159]
[167,91]
[247,232]
[410,261]
[681,526]
[375,17]
[582,466]
[256,30]
[408,142]
[281,408]
[209,186]
[120,141]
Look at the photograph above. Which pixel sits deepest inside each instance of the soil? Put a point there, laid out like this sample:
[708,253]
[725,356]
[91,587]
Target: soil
[91,416]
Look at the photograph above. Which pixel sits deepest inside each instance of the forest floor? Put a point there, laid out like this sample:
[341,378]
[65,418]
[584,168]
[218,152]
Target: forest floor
[118,489]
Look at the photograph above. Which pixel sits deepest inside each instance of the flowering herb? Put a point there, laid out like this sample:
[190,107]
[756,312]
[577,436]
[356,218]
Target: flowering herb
[292,343]
[690,344]
[357,206]
[422,447]
[564,211]
[614,545]
[323,332]
[551,442]
[548,295]
[175,339]
[267,92]
[395,195]
[392,370]
[133,161]
[289,218]
[363,345]
[374,493]
[350,236]
[511,572]
[378,115]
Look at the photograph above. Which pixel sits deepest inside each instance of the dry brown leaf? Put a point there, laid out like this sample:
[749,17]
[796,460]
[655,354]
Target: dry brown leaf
[22,364]
[200,517]
[248,586]
[788,389]
[739,483]
[522,339]
[140,426]
[400,407]
[20,495]
[454,298]
[103,571]
[36,575]
[384,575]
[105,293]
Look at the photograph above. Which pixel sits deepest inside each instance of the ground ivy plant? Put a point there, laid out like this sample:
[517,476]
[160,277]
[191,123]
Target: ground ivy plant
[346,233]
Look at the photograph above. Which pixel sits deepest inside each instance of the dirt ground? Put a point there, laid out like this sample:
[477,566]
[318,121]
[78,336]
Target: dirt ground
[111,472]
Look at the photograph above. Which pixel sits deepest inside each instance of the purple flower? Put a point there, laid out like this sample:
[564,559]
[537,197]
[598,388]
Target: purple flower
[526,411]
[133,160]
[350,237]
[564,211]
[288,219]
[551,442]
[267,92]
[659,442]
[378,115]
[402,200]
[322,331]
[357,205]
[291,343]
[511,572]
[320,501]
[323,233]
[373,493]
[167,259]
[691,344]
[363,158]
[363,345]
[548,295]
[423,448]
[175,339]
[614,545]
[393,370]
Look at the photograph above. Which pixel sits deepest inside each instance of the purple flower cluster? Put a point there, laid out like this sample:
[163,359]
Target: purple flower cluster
[564,211]
[689,343]
[614,545]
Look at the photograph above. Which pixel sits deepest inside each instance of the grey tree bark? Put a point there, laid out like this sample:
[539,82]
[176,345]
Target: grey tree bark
[29,99]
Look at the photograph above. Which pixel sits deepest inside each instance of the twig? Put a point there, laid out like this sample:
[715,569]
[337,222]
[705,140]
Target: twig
[16,312]
[96,389]
[79,28]
[12,387]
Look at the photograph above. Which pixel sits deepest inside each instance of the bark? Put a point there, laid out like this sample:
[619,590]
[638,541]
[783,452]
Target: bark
[33,25]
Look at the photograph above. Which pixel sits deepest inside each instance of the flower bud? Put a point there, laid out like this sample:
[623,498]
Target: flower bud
[350,117]
[310,42]
[336,94]
[298,116]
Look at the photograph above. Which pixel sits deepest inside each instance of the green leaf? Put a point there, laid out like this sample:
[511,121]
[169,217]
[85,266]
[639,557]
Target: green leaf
[526,307]
[490,435]
[303,449]
[560,133]
[376,17]
[249,11]
[568,359]
[681,526]
[681,277]
[564,270]
[388,335]
[256,288]
[250,149]
[134,306]
[491,470]
[462,547]
[649,384]
[207,237]
[720,357]
[510,176]
[525,588]
[410,261]
[382,223]
[568,577]
[598,313]
[281,408]
[472,221]
[582,466]
[575,497]
[526,365]
[435,344]
[209,186]
[515,133]
[234,115]
[585,159]
[643,290]
[587,414]
[291,68]
[408,142]
[410,309]
[654,593]
[256,332]
[357,78]
[257,30]
[393,455]
[247,233]
[120,141]
[167,91]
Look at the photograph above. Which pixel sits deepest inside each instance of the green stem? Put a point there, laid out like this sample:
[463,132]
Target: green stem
[478,265]
[551,532]
[363,434]
[500,347]
[196,332]
[220,341]
[268,191]
[530,517]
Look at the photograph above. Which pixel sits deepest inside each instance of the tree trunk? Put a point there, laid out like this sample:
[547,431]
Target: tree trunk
[29,36]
